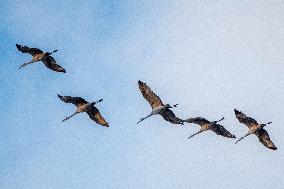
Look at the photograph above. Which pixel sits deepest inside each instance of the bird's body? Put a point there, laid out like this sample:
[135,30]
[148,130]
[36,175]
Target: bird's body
[255,128]
[207,125]
[84,106]
[158,110]
[157,105]
[39,55]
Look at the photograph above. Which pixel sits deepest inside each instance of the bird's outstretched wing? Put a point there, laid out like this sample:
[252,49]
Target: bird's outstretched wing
[31,51]
[149,95]
[95,115]
[77,101]
[50,63]
[265,139]
[220,130]
[197,120]
[169,115]
[248,121]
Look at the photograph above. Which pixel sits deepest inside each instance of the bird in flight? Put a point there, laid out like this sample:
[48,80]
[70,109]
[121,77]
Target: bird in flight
[207,125]
[255,128]
[39,55]
[84,106]
[157,105]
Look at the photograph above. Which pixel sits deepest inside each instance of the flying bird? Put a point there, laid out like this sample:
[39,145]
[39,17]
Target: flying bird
[207,125]
[157,105]
[255,128]
[84,106]
[39,55]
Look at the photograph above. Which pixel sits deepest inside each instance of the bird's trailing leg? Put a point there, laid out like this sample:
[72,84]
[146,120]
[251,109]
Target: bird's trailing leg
[23,65]
[200,131]
[242,138]
[142,119]
[70,116]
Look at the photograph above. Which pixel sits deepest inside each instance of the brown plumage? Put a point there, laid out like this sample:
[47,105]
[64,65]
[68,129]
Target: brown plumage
[84,106]
[255,128]
[39,55]
[207,125]
[149,95]
[158,107]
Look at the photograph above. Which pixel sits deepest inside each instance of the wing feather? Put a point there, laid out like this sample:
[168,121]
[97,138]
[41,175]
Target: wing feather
[265,139]
[149,95]
[169,115]
[77,101]
[198,120]
[50,63]
[95,115]
[248,121]
[31,51]
[220,130]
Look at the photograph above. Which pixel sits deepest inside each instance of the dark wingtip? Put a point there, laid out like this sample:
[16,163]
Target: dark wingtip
[18,46]
[59,96]
[140,82]
[273,148]
[237,111]
[61,70]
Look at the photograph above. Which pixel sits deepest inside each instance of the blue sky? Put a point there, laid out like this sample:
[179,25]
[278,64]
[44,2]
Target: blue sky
[209,57]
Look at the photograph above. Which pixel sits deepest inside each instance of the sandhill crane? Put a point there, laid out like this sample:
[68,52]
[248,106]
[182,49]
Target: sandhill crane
[84,106]
[207,125]
[39,55]
[157,105]
[255,128]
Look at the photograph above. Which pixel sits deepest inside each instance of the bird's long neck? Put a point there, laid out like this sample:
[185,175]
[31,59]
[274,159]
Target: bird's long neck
[220,120]
[49,53]
[263,125]
[54,51]
[93,103]
[214,122]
